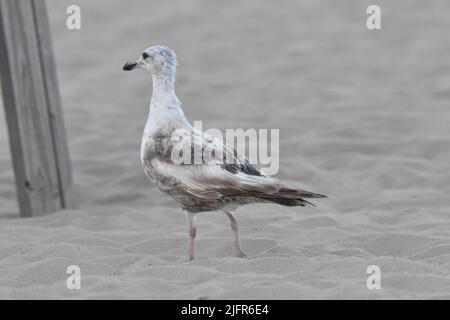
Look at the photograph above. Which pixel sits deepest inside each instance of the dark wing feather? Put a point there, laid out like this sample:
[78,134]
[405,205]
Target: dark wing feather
[245,167]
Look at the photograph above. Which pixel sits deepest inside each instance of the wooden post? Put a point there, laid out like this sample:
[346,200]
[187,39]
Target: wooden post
[33,108]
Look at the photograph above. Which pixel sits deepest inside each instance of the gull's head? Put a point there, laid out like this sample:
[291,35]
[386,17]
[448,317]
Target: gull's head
[160,60]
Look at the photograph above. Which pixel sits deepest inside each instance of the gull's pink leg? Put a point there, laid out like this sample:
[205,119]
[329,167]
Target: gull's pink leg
[235,227]
[192,231]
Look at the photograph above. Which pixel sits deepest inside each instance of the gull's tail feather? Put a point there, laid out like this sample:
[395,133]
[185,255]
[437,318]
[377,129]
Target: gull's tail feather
[301,193]
[288,202]
[291,197]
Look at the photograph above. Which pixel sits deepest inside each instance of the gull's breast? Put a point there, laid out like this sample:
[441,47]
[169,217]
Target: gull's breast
[153,147]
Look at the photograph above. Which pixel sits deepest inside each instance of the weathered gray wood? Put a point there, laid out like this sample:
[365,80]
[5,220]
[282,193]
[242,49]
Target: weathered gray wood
[54,103]
[32,106]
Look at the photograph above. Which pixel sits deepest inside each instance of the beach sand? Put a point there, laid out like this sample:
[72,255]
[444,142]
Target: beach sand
[363,116]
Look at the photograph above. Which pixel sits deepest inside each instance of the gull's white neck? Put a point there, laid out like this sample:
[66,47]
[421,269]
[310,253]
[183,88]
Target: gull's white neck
[163,95]
[165,108]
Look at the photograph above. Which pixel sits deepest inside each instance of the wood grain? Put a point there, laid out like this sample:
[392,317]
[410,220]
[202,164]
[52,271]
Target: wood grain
[33,109]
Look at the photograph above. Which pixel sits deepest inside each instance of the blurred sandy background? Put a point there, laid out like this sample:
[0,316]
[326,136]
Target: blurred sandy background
[363,115]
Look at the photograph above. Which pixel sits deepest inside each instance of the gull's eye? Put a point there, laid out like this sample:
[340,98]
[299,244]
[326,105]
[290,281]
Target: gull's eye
[145,55]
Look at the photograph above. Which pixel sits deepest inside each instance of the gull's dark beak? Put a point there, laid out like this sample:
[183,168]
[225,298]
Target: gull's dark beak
[130,65]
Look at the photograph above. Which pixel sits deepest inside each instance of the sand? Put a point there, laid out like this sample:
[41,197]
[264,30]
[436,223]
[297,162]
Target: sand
[363,116]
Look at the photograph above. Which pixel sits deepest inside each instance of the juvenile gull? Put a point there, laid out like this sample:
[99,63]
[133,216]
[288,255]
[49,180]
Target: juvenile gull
[207,186]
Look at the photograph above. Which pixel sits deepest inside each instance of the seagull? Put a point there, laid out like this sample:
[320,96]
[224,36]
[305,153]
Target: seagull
[208,185]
